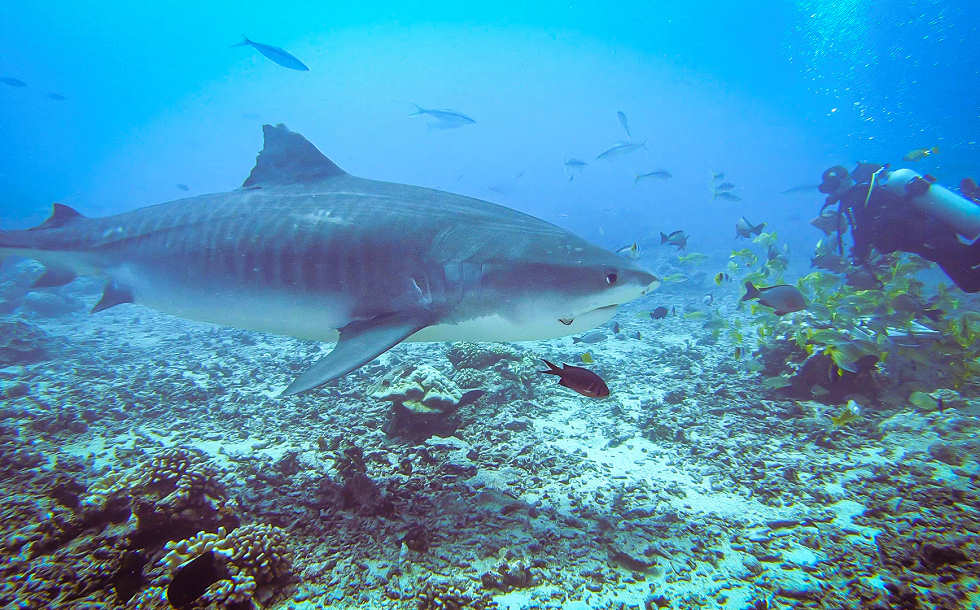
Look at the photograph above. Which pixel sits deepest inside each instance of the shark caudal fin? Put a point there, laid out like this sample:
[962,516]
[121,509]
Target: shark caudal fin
[289,158]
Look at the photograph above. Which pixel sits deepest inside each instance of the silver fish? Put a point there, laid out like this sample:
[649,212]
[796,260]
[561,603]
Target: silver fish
[443,119]
[661,174]
[280,56]
[744,228]
[622,148]
[622,121]
[304,249]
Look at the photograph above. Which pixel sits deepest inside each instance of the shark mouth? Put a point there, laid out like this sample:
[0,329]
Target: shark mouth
[569,321]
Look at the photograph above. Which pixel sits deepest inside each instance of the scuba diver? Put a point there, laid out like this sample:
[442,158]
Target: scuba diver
[891,210]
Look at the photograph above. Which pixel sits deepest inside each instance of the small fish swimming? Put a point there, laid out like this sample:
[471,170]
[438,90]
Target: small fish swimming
[622,121]
[183,187]
[773,254]
[715,176]
[279,56]
[920,153]
[744,228]
[595,336]
[727,196]
[802,188]
[631,251]
[862,279]
[13,82]
[829,221]
[677,239]
[443,119]
[616,328]
[587,358]
[574,166]
[724,186]
[721,276]
[662,174]
[56,97]
[708,299]
[694,258]
[583,381]
[623,148]
[659,313]
[782,297]
[829,260]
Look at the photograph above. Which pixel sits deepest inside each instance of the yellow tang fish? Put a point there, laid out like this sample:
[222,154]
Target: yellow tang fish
[920,153]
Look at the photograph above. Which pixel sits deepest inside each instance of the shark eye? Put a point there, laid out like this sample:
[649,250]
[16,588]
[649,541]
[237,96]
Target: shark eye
[611,278]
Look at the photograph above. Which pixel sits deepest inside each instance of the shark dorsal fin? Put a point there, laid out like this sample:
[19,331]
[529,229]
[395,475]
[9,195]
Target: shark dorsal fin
[60,216]
[289,158]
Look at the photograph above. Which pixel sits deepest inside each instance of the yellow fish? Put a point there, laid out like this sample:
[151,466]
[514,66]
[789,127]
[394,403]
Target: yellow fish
[920,153]
[694,258]
[587,358]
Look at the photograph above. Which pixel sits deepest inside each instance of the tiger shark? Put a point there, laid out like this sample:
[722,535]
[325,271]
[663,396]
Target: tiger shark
[305,249]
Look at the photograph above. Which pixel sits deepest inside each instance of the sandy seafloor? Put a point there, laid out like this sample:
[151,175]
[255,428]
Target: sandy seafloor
[691,486]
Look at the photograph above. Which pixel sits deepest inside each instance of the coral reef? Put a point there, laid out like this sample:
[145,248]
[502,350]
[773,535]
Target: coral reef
[424,402]
[481,356]
[172,495]
[93,543]
[249,564]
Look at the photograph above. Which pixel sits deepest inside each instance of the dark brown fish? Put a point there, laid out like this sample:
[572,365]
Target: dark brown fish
[658,313]
[783,298]
[583,381]
[829,221]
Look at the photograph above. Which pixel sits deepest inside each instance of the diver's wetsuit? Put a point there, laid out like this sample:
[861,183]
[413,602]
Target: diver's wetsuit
[888,224]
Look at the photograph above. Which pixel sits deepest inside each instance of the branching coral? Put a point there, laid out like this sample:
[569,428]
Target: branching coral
[251,560]
[174,493]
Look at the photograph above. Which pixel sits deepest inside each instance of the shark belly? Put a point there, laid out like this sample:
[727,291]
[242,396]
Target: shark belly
[496,327]
[303,315]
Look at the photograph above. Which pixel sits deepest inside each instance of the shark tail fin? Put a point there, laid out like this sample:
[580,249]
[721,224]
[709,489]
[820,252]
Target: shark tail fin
[663,238]
[244,43]
[418,110]
[751,292]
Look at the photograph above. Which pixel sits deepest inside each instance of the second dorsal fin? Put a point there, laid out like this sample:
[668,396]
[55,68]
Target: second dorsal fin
[289,158]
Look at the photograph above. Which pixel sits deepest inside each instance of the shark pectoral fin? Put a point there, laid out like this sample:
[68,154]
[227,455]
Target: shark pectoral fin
[359,343]
[113,294]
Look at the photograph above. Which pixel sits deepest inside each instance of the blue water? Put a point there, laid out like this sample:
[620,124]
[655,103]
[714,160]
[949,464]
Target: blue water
[769,94]
[156,95]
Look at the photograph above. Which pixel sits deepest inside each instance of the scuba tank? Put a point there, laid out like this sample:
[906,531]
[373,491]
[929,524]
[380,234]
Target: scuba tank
[960,213]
